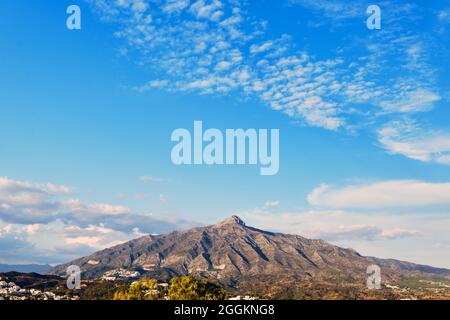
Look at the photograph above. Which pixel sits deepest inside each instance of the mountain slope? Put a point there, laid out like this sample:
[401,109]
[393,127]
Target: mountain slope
[232,251]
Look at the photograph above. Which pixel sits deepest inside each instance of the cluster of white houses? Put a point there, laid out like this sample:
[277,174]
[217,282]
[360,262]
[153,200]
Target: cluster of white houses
[120,274]
[11,291]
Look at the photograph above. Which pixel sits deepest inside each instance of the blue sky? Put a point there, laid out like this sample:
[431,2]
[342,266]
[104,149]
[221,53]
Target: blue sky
[86,119]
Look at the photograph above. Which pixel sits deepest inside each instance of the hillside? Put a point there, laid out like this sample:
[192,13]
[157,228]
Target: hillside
[236,254]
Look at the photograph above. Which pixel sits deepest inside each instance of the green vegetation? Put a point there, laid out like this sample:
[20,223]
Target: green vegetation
[100,290]
[184,288]
[190,288]
[144,289]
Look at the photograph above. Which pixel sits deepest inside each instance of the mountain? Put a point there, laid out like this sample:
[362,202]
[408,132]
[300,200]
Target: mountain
[240,256]
[32,280]
[25,268]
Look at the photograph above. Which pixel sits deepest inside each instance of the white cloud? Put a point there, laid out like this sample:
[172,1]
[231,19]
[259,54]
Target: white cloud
[41,225]
[58,189]
[139,6]
[335,10]
[207,50]
[206,9]
[15,249]
[153,179]
[9,185]
[215,47]
[383,234]
[366,232]
[96,236]
[81,210]
[332,225]
[153,84]
[175,6]
[419,100]
[272,204]
[6,229]
[410,140]
[32,204]
[32,229]
[163,198]
[385,194]
[254,49]
[444,15]
[23,201]
[398,233]
[223,65]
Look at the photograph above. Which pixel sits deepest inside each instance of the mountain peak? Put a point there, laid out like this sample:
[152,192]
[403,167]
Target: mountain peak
[233,253]
[233,220]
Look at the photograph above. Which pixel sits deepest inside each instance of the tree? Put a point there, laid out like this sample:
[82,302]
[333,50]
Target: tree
[144,289]
[190,288]
[184,288]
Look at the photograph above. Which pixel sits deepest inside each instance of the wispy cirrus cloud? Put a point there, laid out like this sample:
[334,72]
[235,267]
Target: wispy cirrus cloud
[366,233]
[380,195]
[335,10]
[216,47]
[444,15]
[416,100]
[407,138]
[153,179]
[272,204]
[213,47]
[395,74]
[339,10]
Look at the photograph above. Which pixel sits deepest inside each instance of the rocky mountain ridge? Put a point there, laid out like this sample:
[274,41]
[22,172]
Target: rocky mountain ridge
[231,252]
